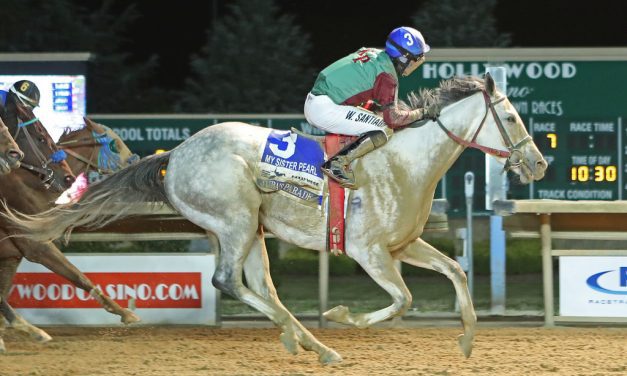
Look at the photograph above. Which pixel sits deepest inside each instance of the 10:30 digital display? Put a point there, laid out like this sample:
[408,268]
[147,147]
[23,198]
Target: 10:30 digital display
[593,173]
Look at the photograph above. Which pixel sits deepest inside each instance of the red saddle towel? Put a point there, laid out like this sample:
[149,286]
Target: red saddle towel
[333,143]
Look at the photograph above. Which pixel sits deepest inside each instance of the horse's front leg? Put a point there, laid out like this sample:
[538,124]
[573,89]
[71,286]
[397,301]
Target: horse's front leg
[379,265]
[257,271]
[420,253]
[48,255]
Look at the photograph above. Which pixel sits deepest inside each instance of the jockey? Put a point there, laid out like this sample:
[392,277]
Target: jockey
[23,93]
[347,94]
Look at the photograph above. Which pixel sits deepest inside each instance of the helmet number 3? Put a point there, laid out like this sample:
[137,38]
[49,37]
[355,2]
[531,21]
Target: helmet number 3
[410,40]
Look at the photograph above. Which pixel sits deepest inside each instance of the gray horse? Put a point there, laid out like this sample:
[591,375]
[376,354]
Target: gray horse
[210,180]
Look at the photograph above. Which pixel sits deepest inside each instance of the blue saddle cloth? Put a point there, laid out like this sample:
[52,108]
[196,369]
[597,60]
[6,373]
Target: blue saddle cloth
[290,164]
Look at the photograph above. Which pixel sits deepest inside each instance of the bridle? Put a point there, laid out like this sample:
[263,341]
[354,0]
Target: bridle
[106,161]
[513,154]
[94,140]
[43,170]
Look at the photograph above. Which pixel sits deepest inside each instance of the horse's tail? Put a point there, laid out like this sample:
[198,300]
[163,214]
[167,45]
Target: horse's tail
[102,203]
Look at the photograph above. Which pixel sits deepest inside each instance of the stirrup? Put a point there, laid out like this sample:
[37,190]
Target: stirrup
[344,177]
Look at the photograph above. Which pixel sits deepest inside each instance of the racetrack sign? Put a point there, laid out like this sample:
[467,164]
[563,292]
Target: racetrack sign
[593,286]
[161,289]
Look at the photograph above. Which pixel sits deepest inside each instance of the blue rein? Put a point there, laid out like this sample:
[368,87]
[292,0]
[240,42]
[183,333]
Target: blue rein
[27,123]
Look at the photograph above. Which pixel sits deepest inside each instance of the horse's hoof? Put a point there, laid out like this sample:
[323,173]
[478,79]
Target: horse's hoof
[330,357]
[41,336]
[337,314]
[289,341]
[465,342]
[25,328]
[130,318]
[3,349]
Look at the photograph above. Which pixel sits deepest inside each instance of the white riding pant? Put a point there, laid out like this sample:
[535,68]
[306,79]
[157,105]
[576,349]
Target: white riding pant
[323,113]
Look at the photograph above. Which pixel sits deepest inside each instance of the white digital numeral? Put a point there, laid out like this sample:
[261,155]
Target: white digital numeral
[410,40]
[288,151]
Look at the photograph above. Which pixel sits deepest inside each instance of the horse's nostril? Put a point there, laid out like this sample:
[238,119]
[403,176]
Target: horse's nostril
[541,164]
[69,180]
[15,155]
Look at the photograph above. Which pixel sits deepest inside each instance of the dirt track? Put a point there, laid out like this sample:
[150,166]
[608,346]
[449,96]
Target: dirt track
[380,351]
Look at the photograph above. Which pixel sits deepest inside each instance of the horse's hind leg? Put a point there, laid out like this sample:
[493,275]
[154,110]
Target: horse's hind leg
[8,267]
[235,245]
[379,265]
[257,270]
[48,255]
[236,235]
[421,254]
[227,204]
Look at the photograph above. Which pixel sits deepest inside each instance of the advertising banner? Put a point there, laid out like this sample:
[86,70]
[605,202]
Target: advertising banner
[160,288]
[593,286]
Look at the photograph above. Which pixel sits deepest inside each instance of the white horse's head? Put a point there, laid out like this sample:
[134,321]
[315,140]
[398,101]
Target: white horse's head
[503,135]
[477,115]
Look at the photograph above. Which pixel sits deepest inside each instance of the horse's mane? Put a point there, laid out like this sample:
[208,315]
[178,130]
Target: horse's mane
[449,91]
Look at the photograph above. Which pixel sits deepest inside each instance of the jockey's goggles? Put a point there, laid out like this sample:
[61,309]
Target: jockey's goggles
[405,53]
[417,58]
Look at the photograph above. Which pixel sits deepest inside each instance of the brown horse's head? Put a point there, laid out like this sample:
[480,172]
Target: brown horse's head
[41,155]
[96,148]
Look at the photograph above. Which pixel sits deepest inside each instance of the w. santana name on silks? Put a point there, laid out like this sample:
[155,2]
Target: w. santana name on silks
[290,165]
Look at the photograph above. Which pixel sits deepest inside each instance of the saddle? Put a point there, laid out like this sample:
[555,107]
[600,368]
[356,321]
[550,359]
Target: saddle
[291,165]
[336,202]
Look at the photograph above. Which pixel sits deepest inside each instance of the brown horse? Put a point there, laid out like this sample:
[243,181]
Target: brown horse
[21,191]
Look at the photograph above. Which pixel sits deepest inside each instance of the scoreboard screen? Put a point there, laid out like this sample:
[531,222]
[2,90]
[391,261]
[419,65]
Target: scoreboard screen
[584,157]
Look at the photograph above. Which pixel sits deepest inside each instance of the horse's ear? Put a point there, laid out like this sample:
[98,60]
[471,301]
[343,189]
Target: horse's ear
[88,123]
[490,87]
[92,125]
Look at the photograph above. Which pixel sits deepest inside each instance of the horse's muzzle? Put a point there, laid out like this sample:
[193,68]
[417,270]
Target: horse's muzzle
[13,157]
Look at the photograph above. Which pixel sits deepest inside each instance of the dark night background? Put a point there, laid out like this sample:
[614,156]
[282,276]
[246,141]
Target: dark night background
[262,56]
[175,30]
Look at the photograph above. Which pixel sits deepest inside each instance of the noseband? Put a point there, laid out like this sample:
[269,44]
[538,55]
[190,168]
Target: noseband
[513,153]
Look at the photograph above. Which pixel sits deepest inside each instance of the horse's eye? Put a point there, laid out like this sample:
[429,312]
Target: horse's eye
[42,140]
[511,119]
[113,147]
